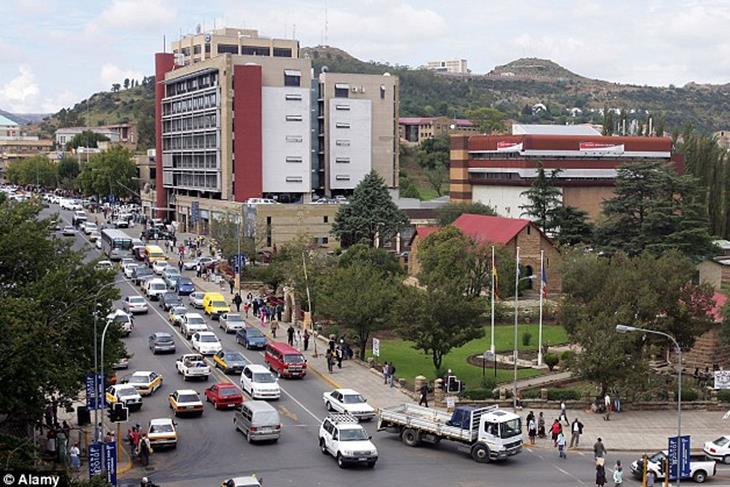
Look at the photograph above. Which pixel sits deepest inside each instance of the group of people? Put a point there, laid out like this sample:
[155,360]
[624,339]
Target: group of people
[139,444]
[388,373]
[336,353]
[57,445]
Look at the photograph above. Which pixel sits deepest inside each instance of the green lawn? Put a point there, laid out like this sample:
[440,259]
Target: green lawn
[410,362]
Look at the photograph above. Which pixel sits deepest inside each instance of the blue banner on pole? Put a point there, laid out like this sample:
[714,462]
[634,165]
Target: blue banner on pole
[95,401]
[110,462]
[94,459]
[675,448]
[194,211]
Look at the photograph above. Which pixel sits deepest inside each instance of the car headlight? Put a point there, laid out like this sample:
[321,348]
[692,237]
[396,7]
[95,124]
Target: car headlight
[348,452]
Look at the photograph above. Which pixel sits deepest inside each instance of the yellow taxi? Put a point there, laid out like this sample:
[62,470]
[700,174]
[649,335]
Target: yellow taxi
[145,381]
[229,362]
[185,401]
[124,393]
[214,305]
[162,432]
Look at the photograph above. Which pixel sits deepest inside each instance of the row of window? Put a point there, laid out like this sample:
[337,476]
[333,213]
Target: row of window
[251,50]
[194,122]
[200,102]
[202,181]
[191,84]
[195,161]
[190,141]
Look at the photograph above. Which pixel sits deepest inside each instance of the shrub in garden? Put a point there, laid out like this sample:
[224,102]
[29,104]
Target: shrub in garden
[551,360]
[526,337]
[563,394]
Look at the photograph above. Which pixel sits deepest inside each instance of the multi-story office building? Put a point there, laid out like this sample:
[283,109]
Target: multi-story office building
[237,126]
[452,66]
[201,46]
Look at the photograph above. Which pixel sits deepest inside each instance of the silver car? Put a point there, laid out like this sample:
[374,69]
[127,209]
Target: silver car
[196,299]
[231,322]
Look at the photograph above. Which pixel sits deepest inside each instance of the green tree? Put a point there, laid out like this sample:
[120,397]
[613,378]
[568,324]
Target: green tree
[370,212]
[68,171]
[437,177]
[489,120]
[645,291]
[544,198]
[407,187]
[450,212]
[608,121]
[38,170]
[126,83]
[371,256]
[654,209]
[109,172]
[115,87]
[438,319]
[144,117]
[571,226]
[87,138]
[357,298]
[434,153]
[47,301]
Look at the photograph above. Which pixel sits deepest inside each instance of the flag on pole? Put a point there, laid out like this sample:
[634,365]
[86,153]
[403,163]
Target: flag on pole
[496,280]
[543,279]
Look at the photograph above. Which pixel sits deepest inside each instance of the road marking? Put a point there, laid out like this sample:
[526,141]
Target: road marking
[570,475]
[285,412]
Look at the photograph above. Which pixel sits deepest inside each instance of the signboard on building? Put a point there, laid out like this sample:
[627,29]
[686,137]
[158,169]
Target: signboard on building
[110,462]
[194,212]
[94,459]
[508,146]
[376,347]
[601,147]
[722,379]
[91,398]
[675,448]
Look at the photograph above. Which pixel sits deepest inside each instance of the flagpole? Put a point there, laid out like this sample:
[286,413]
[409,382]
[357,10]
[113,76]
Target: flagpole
[542,294]
[492,347]
[514,357]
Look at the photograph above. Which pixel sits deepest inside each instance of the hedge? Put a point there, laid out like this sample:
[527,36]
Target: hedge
[689,395]
[563,394]
[723,395]
[477,394]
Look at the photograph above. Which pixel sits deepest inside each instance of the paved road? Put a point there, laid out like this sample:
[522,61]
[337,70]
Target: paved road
[210,450]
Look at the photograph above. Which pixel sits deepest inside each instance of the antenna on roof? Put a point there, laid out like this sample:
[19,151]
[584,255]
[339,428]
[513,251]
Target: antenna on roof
[164,44]
[325,23]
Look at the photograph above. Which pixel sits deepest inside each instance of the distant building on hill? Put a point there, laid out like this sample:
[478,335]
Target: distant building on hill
[450,66]
[415,130]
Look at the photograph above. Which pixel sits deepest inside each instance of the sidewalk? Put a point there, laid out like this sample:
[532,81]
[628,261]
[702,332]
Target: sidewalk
[353,373]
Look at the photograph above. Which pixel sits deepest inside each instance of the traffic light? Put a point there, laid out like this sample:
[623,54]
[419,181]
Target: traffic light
[453,384]
[118,413]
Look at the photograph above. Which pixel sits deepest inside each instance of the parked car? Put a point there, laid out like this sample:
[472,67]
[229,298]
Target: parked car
[192,264]
[718,449]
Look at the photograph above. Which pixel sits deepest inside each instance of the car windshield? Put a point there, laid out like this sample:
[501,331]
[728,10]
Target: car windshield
[293,359]
[188,398]
[219,304]
[169,296]
[234,318]
[657,458]
[264,378]
[228,392]
[254,332]
[171,271]
[126,391]
[354,434]
[209,338]
[184,282]
[353,399]
[164,339]
[234,357]
[161,428]
[121,319]
[139,379]
[178,310]
[195,320]
[158,286]
[510,428]
[722,441]
[136,300]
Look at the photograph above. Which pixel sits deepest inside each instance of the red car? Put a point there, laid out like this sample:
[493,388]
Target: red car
[224,395]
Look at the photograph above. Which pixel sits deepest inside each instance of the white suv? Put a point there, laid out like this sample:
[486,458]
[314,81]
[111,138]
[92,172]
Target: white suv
[259,383]
[206,343]
[192,323]
[344,438]
[154,288]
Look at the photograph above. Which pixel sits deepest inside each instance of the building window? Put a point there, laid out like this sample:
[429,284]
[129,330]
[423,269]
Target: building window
[207,48]
[342,143]
[342,107]
[342,90]
[293,96]
[342,125]
[382,92]
[227,49]
[255,51]
[342,177]
[292,77]
[293,118]
[325,240]
[282,52]
[528,229]
[326,219]
[342,160]
[293,179]
[196,49]
[294,138]
[293,159]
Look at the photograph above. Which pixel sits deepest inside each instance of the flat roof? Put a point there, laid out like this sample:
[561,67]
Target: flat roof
[7,122]
[547,129]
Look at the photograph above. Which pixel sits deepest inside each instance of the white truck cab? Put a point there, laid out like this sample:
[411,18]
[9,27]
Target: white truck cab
[342,436]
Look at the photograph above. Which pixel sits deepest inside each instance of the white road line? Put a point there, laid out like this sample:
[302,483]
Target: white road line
[570,475]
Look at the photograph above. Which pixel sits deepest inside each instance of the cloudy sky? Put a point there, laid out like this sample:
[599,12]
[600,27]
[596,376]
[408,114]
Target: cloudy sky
[56,52]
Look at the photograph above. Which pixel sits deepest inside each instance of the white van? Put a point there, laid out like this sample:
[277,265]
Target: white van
[154,288]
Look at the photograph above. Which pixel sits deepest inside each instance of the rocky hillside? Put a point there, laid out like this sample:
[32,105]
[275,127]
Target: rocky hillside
[534,69]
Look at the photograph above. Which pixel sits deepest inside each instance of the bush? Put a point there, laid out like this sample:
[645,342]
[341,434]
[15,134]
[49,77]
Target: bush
[567,356]
[563,394]
[477,394]
[531,393]
[489,383]
[690,395]
[551,360]
[723,395]
[526,337]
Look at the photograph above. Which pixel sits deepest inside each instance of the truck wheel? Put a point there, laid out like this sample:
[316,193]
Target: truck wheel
[726,459]
[700,476]
[480,453]
[410,437]
[340,461]
[322,446]
[328,406]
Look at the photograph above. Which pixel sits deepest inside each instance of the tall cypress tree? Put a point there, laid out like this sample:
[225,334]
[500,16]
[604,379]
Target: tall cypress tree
[544,197]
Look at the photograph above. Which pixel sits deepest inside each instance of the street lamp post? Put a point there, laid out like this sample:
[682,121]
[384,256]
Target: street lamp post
[515,353]
[629,329]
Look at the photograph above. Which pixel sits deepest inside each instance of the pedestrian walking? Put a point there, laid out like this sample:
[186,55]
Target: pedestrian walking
[279,311]
[618,474]
[144,450]
[237,301]
[424,394]
[328,357]
[531,429]
[306,340]
[599,449]
[339,354]
[180,265]
[199,270]
[555,429]
[391,376]
[576,429]
[561,441]
[541,425]
[246,308]
[232,284]
[274,327]
[563,414]
[607,404]
[650,478]
[600,475]
[75,457]
[386,372]
[298,338]
[290,335]
[133,439]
